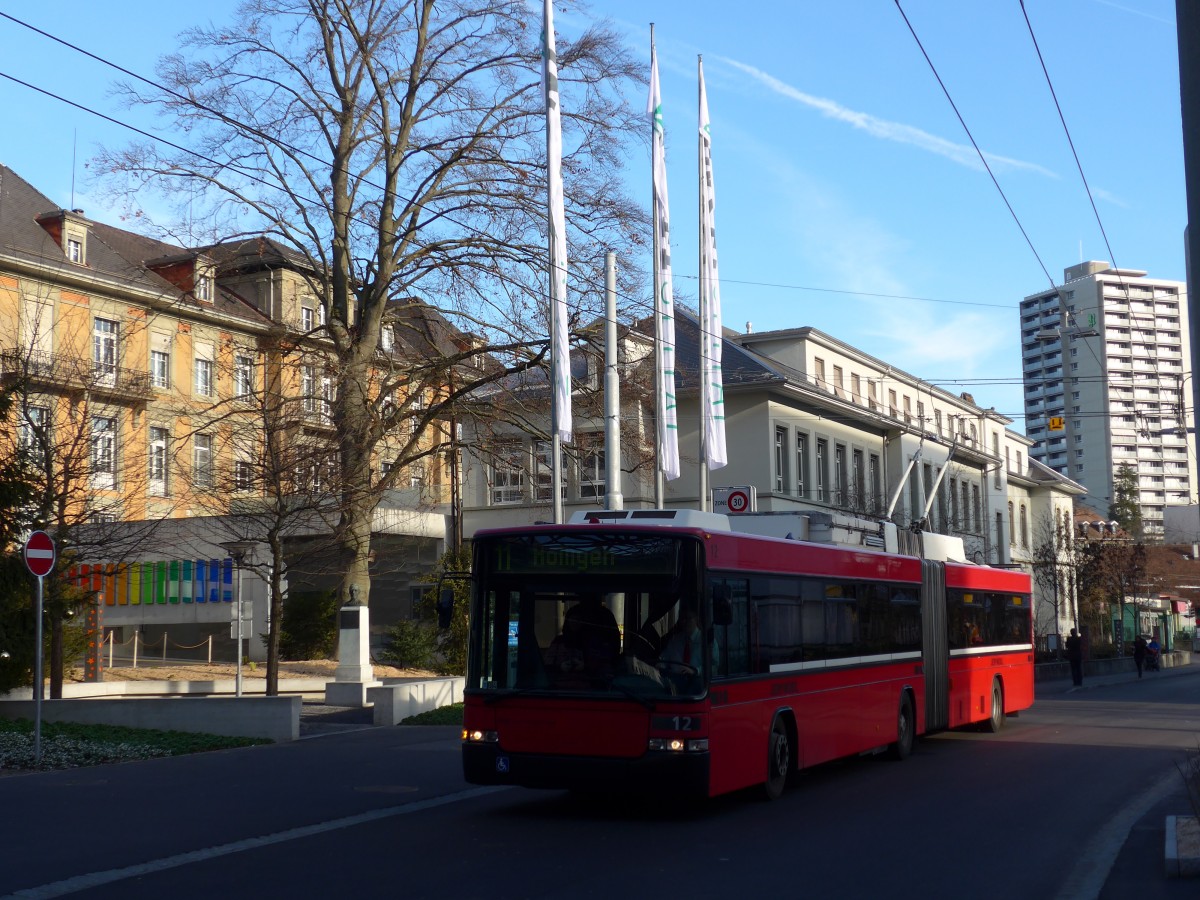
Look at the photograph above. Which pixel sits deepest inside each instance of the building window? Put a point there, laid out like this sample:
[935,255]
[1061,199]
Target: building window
[75,250]
[997,478]
[203,382]
[308,318]
[1024,520]
[976,509]
[937,421]
[801,464]
[839,385]
[841,495]
[592,473]
[326,398]
[781,434]
[202,462]
[954,523]
[35,434]
[104,351]
[104,451]
[416,476]
[204,288]
[892,411]
[872,396]
[855,388]
[876,476]
[387,338]
[243,376]
[1012,526]
[823,470]
[243,475]
[858,488]
[157,457]
[999,535]
[507,475]
[308,388]
[160,369]
[819,371]
[908,410]
[966,507]
[543,470]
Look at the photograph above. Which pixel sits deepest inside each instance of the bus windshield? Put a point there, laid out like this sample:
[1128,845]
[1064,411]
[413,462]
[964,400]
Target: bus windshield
[589,613]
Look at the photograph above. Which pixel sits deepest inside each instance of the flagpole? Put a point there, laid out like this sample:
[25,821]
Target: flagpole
[703,360]
[560,359]
[659,404]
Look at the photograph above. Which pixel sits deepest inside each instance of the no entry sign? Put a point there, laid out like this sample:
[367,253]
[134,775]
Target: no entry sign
[39,553]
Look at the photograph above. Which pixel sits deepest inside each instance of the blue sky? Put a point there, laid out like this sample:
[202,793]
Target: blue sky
[842,172]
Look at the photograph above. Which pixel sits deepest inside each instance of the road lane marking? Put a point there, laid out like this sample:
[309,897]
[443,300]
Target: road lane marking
[1093,866]
[96,879]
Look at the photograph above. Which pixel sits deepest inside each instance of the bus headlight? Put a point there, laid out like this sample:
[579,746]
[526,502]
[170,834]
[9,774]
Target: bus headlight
[679,745]
[480,737]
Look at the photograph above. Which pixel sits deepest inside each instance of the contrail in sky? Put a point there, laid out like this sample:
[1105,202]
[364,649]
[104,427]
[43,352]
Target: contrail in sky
[963,154]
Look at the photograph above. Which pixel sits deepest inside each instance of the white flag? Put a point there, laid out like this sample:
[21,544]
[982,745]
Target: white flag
[664,304]
[712,391]
[560,351]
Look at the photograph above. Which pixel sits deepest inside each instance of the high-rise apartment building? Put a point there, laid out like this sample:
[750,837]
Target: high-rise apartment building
[1106,361]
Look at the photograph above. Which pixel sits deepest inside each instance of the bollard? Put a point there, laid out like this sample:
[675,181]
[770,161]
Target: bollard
[164,646]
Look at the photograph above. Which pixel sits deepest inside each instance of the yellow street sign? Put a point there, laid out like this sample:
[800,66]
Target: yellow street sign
[1056,423]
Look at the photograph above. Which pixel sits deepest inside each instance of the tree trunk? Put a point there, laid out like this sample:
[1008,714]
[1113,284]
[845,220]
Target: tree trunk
[56,656]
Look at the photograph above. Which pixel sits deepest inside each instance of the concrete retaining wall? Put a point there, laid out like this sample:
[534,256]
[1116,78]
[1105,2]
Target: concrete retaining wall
[392,703]
[1116,665]
[275,718]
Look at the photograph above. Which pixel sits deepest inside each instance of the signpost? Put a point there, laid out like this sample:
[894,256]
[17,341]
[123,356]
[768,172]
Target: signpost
[39,559]
[735,500]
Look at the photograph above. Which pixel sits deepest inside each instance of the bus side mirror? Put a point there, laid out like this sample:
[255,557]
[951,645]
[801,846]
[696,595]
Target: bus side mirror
[722,608]
[445,607]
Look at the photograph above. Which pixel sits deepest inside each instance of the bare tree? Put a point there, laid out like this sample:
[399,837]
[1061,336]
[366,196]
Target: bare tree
[397,146]
[271,472]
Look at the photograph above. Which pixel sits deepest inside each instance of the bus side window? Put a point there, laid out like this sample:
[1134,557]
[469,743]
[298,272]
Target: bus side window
[731,639]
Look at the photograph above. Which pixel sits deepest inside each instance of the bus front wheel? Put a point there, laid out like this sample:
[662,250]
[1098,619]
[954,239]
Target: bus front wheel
[779,759]
[996,719]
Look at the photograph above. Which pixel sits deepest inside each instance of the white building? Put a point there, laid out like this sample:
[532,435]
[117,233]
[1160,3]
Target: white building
[812,424]
[1106,360]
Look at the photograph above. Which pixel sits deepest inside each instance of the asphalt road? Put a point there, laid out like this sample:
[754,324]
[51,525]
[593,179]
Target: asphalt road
[1061,805]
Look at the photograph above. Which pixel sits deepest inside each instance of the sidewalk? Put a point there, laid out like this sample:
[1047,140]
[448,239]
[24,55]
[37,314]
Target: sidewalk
[1138,869]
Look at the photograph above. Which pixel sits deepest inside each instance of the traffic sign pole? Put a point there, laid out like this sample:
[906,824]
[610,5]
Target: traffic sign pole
[37,676]
[39,559]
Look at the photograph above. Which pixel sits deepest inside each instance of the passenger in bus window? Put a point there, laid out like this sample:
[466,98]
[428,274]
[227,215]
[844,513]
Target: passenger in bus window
[685,645]
[591,628]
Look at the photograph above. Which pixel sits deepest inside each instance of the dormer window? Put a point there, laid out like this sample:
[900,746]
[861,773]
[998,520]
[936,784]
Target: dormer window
[204,288]
[75,250]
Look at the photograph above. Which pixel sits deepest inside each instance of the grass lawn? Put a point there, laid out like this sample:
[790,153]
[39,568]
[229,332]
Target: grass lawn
[66,745]
[444,715]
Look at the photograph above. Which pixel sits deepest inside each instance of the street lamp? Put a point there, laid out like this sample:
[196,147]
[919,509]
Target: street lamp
[238,551]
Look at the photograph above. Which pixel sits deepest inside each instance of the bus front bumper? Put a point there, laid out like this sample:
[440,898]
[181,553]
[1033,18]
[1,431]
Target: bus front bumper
[654,772]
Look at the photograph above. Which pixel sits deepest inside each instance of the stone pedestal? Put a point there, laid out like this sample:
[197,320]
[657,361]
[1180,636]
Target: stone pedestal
[354,673]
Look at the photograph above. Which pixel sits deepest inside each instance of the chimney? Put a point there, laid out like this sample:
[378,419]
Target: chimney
[749,327]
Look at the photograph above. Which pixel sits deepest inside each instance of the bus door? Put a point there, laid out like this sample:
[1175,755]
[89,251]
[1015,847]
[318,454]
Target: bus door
[935,644]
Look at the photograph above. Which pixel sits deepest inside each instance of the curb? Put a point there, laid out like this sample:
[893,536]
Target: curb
[1182,853]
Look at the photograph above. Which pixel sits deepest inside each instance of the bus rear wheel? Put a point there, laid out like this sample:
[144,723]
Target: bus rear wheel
[906,729]
[779,759]
[996,719]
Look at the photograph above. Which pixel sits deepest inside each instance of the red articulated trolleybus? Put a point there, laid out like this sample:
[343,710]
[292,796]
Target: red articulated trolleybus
[662,650]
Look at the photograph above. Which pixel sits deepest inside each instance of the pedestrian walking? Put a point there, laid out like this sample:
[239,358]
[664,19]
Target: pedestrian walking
[1075,657]
[1139,654]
